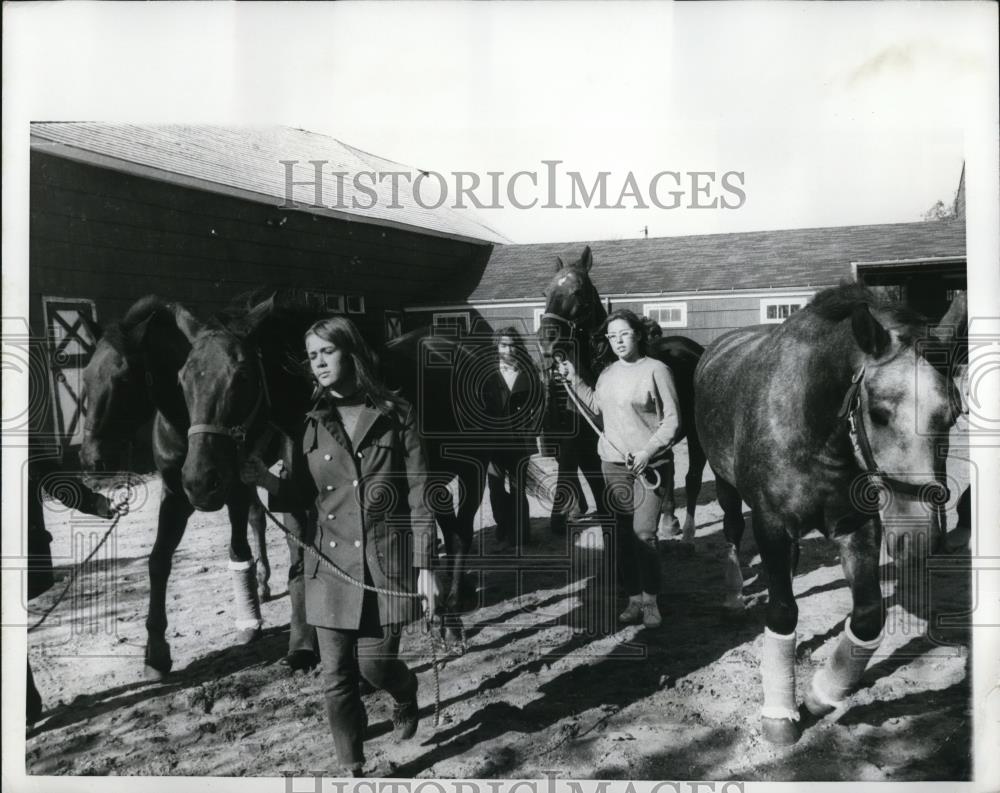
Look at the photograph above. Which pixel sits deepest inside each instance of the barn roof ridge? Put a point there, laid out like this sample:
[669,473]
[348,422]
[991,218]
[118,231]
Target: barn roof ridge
[764,259]
[243,160]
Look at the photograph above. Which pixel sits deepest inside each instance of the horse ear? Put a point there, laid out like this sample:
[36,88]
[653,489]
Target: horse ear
[259,313]
[586,259]
[187,323]
[872,338]
[560,264]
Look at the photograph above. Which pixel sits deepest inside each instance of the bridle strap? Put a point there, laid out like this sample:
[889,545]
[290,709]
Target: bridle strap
[858,433]
[238,432]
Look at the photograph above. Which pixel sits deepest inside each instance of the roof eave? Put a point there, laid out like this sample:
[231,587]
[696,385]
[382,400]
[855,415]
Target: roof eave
[87,157]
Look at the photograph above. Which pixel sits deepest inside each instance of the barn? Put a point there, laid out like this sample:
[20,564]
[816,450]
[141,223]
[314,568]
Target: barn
[703,285]
[199,214]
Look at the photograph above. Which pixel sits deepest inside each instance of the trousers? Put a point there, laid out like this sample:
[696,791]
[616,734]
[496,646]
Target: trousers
[636,512]
[372,652]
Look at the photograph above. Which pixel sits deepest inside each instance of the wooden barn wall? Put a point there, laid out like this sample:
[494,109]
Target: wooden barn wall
[707,317]
[113,237]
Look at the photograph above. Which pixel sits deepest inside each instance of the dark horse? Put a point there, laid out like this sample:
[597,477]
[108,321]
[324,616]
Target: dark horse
[133,375]
[816,424]
[250,372]
[573,315]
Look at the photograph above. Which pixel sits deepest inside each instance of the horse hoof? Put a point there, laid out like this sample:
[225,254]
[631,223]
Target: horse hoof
[154,674]
[734,604]
[783,732]
[247,635]
[300,660]
[158,662]
[815,706]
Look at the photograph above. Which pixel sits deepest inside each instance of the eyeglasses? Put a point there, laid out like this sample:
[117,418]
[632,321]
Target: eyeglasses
[625,335]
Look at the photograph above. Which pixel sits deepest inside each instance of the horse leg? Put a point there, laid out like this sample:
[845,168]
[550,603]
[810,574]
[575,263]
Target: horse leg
[839,676]
[243,570]
[733,525]
[258,523]
[567,490]
[302,648]
[669,525]
[590,464]
[692,483]
[175,510]
[779,715]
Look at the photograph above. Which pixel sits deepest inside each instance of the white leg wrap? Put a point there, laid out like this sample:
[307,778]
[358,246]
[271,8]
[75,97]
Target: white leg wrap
[245,601]
[778,673]
[838,677]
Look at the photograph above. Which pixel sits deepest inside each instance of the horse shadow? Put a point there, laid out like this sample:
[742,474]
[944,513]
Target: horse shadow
[209,668]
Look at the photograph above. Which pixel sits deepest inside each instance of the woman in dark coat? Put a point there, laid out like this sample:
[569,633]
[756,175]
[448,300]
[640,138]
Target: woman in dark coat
[360,465]
[513,400]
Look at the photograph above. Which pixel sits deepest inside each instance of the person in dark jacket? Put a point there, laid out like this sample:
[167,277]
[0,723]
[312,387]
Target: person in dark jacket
[47,477]
[360,464]
[513,400]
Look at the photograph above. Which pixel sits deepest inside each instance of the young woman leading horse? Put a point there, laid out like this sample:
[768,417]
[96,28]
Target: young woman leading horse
[816,424]
[637,399]
[362,468]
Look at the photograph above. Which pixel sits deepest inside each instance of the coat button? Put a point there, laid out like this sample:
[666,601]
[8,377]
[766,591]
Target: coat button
[355,483]
[329,487]
[333,543]
[331,516]
[357,543]
[327,457]
[361,454]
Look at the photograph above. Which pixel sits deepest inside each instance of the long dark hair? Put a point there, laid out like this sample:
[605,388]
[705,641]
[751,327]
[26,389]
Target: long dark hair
[634,322]
[343,333]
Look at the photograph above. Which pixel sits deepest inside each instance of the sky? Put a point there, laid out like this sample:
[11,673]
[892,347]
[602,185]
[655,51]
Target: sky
[833,114]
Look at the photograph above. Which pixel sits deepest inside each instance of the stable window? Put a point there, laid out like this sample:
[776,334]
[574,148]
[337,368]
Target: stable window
[775,310]
[667,315]
[355,304]
[451,323]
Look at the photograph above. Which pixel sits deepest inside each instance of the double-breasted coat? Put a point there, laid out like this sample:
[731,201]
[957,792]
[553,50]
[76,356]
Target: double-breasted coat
[368,495]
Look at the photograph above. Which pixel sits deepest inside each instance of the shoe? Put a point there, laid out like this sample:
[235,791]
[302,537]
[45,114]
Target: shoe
[404,718]
[300,660]
[651,615]
[633,613]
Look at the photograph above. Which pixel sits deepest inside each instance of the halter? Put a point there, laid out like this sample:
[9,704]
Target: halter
[238,432]
[934,492]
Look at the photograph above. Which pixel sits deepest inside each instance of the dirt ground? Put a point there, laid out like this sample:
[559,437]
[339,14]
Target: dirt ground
[547,683]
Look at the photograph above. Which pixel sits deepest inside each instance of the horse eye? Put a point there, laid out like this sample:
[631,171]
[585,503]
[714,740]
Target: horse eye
[880,416]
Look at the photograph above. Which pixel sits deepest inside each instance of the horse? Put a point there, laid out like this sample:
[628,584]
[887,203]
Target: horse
[573,315]
[249,372]
[816,424]
[131,378]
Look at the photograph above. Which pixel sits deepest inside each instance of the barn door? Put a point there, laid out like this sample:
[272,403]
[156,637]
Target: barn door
[70,345]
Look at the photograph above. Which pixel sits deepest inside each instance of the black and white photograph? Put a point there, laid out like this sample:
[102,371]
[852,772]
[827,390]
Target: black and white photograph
[575,395]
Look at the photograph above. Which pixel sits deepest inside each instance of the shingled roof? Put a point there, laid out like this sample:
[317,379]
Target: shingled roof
[245,161]
[750,260]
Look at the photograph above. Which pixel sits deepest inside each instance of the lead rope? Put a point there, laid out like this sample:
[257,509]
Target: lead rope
[381,591]
[76,572]
[649,484]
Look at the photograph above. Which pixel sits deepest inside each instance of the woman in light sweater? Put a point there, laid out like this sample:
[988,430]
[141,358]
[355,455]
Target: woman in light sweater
[636,398]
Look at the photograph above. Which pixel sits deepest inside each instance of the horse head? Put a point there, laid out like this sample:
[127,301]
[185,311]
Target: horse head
[228,403]
[117,386]
[899,411]
[573,311]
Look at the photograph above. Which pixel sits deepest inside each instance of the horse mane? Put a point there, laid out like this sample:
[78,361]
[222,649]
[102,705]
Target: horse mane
[839,302]
[116,332]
